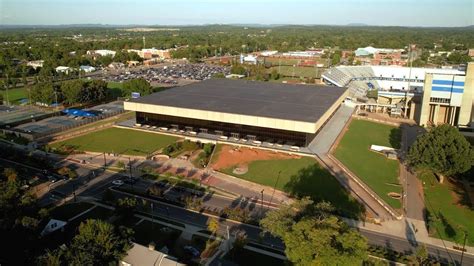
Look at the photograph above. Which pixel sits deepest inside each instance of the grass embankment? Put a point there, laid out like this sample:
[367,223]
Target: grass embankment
[117,140]
[302,177]
[378,172]
[15,95]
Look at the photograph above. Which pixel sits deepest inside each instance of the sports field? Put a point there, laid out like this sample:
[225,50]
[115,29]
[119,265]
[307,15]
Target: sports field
[118,140]
[449,211]
[300,176]
[378,172]
[15,95]
[290,71]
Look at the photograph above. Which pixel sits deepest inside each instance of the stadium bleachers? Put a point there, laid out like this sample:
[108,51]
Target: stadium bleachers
[359,79]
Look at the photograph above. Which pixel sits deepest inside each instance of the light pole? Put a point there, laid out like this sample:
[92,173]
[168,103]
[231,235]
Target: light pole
[130,167]
[152,218]
[262,199]
[274,188]
[463,247]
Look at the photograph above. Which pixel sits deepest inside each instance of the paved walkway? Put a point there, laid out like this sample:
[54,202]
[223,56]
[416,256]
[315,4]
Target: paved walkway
[414,203]
[226,183]
[321,146]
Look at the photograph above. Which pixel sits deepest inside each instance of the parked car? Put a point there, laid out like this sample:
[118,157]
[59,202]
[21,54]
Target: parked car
[117,182]
[192,251]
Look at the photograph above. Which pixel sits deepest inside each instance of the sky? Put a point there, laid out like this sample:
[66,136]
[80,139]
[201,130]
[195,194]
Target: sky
[446,13]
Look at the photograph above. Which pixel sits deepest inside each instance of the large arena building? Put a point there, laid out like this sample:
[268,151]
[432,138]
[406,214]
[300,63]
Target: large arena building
[239,109]
[430,96]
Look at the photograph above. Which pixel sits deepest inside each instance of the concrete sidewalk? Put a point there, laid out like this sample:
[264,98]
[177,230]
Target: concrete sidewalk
[226,183]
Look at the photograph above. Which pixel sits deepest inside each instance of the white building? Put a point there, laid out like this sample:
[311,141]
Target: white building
[311,53]
[102,52]
[140,255]
[63,69]
[268,53]
[87,69]
[248,59]
[35,64]
[369,50]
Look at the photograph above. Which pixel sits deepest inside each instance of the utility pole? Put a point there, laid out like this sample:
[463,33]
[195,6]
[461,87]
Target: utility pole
[274,188]
[6,88]
[74,191]
[409,79]
[262,199]
[152,218]
[463,247]
[130,167]
[105,162]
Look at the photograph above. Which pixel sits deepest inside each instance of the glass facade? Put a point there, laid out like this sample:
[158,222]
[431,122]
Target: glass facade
[226,129]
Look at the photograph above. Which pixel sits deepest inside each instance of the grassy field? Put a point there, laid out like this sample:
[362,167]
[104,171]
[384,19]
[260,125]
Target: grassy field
[448,215]
[378,172]
[117,140]
[302,177]
[290,71]
[15,95]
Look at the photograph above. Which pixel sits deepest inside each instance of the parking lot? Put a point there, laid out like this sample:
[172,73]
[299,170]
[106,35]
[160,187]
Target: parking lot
[171,74]
[60,123]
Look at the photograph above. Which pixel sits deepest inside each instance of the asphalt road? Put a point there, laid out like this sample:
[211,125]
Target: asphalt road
[86,185]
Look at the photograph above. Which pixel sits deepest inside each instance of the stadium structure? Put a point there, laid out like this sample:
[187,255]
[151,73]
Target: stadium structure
[430,96]
[242,110]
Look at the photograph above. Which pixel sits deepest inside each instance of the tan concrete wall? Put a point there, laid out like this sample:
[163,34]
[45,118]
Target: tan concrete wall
[298,126]
[467,103]
[425,101]
[283,124]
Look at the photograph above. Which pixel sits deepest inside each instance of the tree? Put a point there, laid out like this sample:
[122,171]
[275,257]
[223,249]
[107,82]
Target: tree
[126,206]
[98,243]
[213,226]
[72,91]
[139,85]
[442,150]
[274,75]
[313,236]
[93,91]
[43,93]
[420,257]
[10,174]
[238,69]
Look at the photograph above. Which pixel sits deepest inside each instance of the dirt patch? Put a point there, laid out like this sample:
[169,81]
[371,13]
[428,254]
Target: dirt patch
[240,156]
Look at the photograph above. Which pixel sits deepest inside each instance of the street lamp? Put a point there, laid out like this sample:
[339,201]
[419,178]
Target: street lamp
[262,199]
[274,188]
[464,246]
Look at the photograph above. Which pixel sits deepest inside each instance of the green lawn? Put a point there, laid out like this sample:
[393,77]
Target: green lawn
[378,172]
[117,140]
[290,71]
[448,215]
[302,177]
[15,95]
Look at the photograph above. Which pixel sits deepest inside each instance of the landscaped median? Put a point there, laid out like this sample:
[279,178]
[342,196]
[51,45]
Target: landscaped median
[299,176]
[449,213]
[377,171]
[116,140]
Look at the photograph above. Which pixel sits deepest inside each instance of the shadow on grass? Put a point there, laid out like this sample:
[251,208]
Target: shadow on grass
[448,228]
[395,137]
[318,184]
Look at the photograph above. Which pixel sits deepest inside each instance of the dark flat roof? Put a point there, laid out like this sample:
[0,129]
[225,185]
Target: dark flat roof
[276,100]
